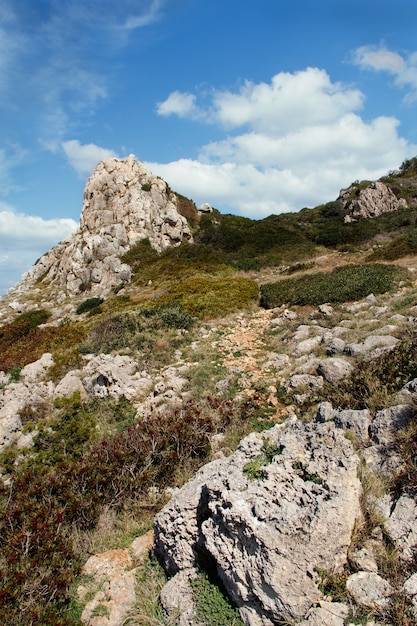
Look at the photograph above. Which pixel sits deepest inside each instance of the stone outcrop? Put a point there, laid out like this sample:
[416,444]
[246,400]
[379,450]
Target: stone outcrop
[369,202]
[266,536]
[124,203]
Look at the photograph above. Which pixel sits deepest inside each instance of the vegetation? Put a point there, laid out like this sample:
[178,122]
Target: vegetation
[88,305]
[254,469]
[344,284]
[373,382]
[94,459]
[212,606]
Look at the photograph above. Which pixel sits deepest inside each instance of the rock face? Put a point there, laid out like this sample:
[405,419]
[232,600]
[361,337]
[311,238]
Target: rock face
[370,202]
[123,204]
[267,535]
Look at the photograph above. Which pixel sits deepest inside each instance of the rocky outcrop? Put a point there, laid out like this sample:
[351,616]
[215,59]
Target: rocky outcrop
[123,204]
[369,202]
[267,533]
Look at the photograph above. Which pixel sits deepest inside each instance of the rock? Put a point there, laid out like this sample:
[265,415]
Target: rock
[70,384]
[301,333]
[369,589]
[355,421]
[114,579]
[386,423]
[308,345]
[326,309]
[35,371]
[10,425]
[369,202]
[327,614]
[371,299]
[410,588]
[334,370]
[401,526]
[112,572]
[275,361]
[266,536]
[304,380]
[205,208]
[177,599]
[325,412]
[124,203]
[336,346]
[364,558]
[371,342]
[114,375]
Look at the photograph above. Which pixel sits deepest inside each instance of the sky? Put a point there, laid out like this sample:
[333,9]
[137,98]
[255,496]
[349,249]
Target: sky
[254,107]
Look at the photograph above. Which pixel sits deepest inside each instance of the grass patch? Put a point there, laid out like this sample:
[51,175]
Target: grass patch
[344,284]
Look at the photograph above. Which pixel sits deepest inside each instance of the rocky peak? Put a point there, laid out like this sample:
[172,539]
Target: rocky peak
[372,201]
[123,204]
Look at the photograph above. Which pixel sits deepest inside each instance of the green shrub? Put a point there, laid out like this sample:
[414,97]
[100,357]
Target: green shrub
[344,284]
[213,296]
[403,245]
[88,305]
[253,469]
[212,605]
[138,329]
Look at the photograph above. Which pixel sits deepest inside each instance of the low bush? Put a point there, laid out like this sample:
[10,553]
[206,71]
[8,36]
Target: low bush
[88,305]
[212,605]
[373,382]
[344,284]
[213,296]
[138,329]
[49,505]
[401,246]
[24,341]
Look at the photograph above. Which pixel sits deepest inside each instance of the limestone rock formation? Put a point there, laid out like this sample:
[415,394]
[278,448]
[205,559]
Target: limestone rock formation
[370,202]
[123,204]
[267,535]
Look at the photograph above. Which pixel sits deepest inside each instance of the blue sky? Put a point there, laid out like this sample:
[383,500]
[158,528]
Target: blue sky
[255,107]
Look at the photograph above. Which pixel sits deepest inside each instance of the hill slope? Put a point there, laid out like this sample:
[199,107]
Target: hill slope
[114,393]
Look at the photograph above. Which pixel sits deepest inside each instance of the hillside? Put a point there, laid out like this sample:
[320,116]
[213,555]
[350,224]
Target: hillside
[157,338]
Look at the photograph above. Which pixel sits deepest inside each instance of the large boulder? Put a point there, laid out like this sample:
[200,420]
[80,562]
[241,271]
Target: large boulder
[284,504]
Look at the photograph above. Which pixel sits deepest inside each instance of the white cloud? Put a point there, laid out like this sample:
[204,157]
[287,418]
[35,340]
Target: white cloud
[290,101]
[177,103]
[84,158]
[380,58]
[153,14]
[23,239]
[302,140]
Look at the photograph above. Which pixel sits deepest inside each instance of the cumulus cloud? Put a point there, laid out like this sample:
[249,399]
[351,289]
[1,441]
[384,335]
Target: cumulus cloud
[177,103]
[293,142]
[381,59]
[23,239]
[84,157]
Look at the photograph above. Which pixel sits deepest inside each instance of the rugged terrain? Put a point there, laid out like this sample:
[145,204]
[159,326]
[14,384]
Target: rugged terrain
[137,352]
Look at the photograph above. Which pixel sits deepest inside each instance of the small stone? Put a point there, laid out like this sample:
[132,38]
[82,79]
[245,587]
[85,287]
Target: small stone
[369,589]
